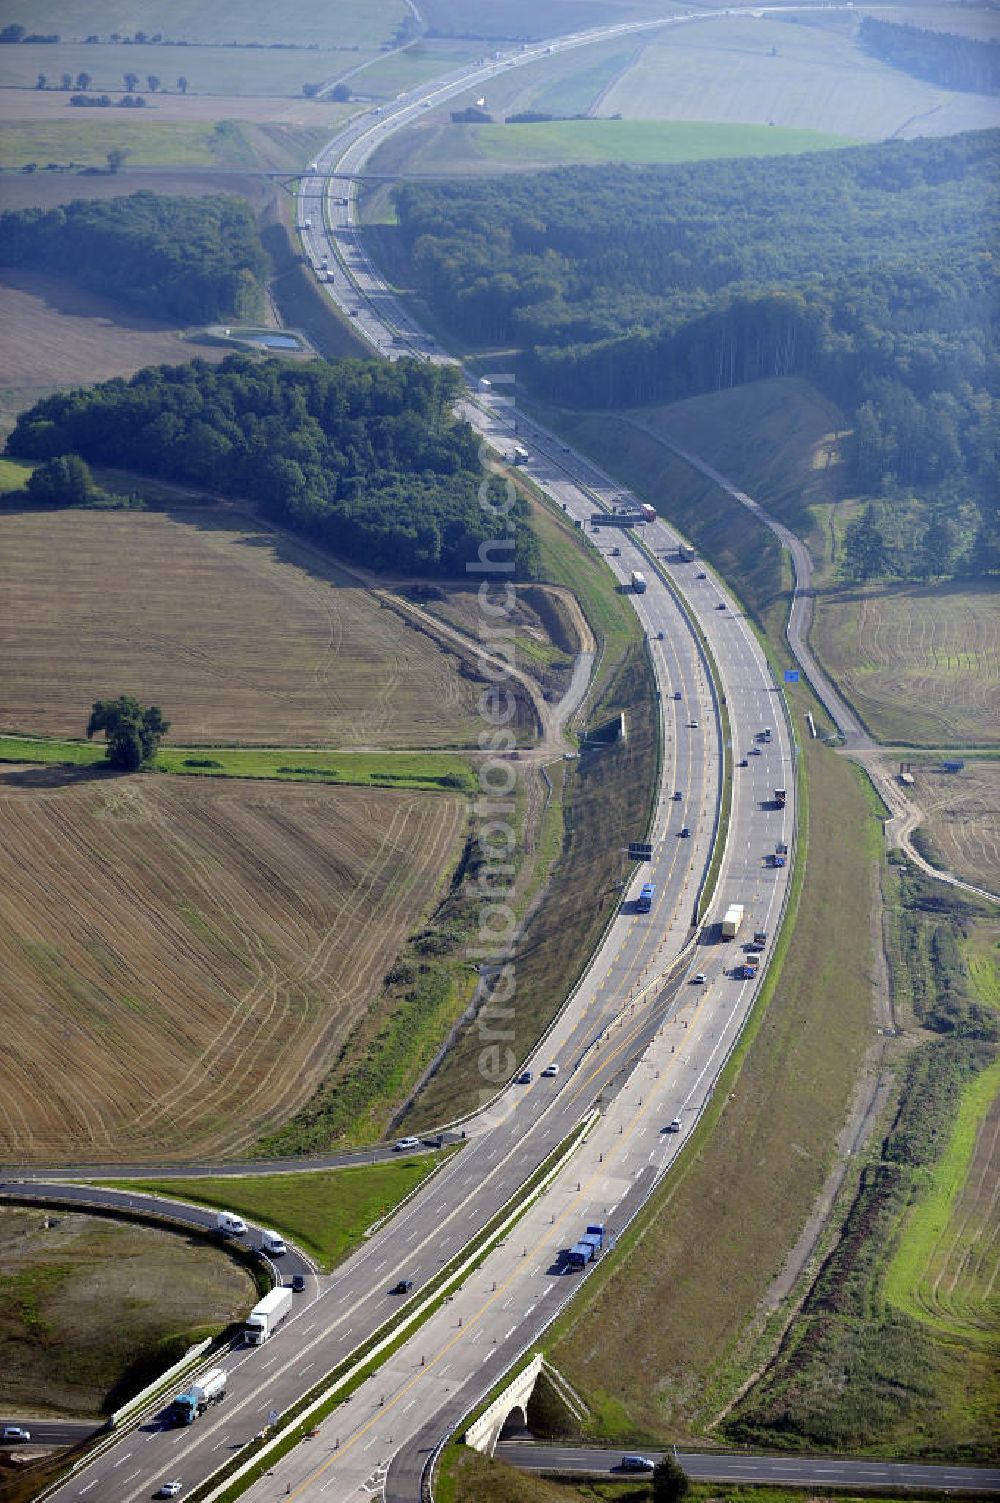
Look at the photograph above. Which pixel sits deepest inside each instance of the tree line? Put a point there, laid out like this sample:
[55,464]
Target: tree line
[869,270]
[193,259]
[365,456]
[955,62]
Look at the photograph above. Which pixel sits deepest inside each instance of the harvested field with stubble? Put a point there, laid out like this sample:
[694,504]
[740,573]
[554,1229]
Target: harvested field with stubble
[55,331]
[59,1354]
[238,632]
[181,961]
[921,664]
[963,818]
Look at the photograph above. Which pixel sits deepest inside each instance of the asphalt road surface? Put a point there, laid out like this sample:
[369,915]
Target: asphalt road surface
[798,1471]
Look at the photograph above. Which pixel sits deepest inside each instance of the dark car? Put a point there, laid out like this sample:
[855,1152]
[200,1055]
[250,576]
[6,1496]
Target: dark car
[403,1287]
[636,1464]
[298,1282]
[685,832]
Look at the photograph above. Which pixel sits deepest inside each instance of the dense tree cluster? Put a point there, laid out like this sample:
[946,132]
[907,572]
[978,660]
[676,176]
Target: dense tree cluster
[193,259]
[364,455]
[869,270]
[955,62]
[132,731]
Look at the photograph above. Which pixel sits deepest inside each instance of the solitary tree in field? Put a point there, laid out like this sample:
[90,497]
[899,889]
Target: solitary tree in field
[83,81]
[131,82]
[340,92]
[182,84]
[152,82]
[116,158]
[43,82]
[66,82]
[131,730]
[670,1481]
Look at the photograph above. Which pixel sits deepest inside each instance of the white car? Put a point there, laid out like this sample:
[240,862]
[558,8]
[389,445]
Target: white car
[675,1125]
[16,1432]
[402,1144]
[169,1489]
[699,979]
[550,1072]
[693,724]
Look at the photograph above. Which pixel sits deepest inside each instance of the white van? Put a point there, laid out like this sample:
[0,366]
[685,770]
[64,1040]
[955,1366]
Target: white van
[230,1225]
[272,1243]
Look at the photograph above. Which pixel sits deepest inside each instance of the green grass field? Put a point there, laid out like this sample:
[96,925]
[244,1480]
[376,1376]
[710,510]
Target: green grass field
[14,474]
[431,770]
[552,143]
[326,1213]
[86,140]
[577,91]
[945,1269]
[361,23]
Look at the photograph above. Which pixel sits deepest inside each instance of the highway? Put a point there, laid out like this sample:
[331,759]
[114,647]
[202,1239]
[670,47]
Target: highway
[639,1036]
[798,1471]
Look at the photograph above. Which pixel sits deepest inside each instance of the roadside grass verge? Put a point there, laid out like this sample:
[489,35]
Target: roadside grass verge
[606,797]
[569,561]
[326,1212]
[756,1160]
[429,771]
[946,1263]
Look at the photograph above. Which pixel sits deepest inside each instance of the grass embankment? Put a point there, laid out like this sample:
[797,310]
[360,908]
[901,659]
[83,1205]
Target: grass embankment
[742,549]
[59,1352]
[326,1213]
[430,771]
[598,803]
[856,1372]
[705,1251]
[554,142]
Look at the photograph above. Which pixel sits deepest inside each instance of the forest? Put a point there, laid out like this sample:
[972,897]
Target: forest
[364,456]
[191,259]
[954,62]
[868,270]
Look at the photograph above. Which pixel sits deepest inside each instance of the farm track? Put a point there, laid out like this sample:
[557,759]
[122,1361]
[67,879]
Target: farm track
[185,961]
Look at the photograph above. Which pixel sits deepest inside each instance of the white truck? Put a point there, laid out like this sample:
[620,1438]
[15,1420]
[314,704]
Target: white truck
[638,582]
[732,920]
[267,1314]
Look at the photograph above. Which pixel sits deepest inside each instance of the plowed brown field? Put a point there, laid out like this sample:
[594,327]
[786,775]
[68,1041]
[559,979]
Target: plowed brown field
[963,818]
[179,964]
[235,631]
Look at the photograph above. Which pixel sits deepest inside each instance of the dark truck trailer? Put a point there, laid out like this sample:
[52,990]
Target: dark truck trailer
[580,1254]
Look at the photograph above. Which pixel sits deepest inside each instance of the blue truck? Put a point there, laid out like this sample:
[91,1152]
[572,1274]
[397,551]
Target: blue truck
[645,900]
[589,1245]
